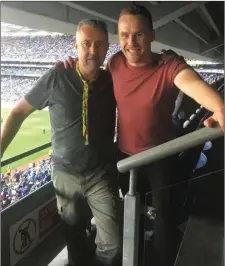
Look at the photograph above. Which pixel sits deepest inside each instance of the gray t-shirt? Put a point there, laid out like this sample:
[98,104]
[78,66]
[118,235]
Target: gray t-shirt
[61,90]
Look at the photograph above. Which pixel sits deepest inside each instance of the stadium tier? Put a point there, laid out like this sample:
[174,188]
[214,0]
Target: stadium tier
[41,48]
[19,183]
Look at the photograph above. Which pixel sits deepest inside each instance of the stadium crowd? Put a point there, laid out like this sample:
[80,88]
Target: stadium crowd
[42,49]
[36,48]
[13,88]
[211,78]
[17,184]
[12,71]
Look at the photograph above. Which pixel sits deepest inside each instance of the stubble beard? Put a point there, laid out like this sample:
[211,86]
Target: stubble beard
[92,67]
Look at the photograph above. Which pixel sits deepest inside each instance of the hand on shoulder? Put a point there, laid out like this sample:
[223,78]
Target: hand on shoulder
[170,54]
[68,63]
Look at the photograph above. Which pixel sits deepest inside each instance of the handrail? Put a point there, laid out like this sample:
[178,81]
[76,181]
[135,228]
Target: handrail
[220,87]
[169,148]
[25,154]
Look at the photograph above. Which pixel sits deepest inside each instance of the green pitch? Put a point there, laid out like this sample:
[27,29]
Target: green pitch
[29,136]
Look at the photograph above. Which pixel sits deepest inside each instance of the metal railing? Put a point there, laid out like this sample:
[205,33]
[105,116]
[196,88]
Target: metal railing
[132,200]
[25,154]
[21,156]
[169,148]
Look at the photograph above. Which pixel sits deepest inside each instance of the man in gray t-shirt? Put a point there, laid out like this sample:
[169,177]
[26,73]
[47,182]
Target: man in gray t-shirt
[61,90]
[82,114]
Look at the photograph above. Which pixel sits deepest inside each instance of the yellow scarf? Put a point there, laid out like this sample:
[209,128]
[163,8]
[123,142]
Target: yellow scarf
[84,106]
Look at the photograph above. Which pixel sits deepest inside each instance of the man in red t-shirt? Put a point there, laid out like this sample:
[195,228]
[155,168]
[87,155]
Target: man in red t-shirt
[146,86]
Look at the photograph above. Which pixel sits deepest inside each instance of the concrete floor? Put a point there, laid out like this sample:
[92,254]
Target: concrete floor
[61,259]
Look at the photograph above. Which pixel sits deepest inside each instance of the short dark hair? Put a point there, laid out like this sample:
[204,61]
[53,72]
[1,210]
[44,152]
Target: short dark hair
[138,10]
[94,23]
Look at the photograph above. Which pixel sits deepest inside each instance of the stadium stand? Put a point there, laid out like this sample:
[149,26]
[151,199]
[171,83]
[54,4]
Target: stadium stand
[17,184]
[13,88]
[41,48]
[12,71]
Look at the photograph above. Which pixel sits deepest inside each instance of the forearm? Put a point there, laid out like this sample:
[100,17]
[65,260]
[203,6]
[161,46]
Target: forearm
[207,97]
[9,130]
[192,85]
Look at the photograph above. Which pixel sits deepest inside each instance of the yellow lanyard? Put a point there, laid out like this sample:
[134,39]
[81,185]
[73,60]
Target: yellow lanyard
[84,106]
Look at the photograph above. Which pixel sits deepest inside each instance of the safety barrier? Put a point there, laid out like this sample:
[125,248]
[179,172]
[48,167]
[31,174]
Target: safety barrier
[131,202]
[29,225]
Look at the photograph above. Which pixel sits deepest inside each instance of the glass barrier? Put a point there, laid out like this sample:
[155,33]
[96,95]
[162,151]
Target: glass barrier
[183,223]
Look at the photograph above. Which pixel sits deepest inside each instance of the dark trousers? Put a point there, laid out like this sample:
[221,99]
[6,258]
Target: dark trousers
[151,181]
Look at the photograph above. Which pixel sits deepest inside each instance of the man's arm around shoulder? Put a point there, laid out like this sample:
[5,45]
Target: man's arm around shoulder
[14,121]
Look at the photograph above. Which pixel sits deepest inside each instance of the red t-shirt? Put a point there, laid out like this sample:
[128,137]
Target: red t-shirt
[145,100]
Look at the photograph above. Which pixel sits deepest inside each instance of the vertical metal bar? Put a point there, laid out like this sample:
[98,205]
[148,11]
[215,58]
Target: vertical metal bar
[133,182]
[131,223]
